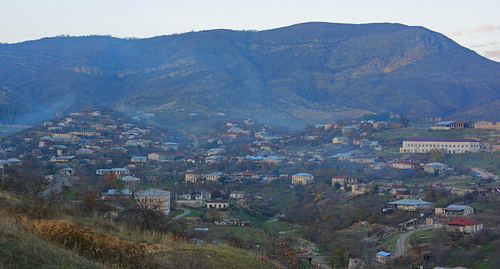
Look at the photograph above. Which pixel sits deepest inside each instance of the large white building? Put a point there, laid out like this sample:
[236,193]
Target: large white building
[425,145]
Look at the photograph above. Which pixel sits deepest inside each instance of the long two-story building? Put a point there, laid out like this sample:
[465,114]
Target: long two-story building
[425,145]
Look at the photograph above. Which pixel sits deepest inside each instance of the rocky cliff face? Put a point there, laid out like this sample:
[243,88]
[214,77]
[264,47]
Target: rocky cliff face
[312,71]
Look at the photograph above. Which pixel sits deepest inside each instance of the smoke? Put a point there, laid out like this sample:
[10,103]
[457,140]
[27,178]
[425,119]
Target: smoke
[41,112]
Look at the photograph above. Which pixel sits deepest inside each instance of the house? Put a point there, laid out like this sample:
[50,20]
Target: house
[216,151]
[238,194]
[425,145]
[363,159]
[86,133]
[452,125]
[13,161]
[61,159]
[171,145]
[406,165]
[194,176]
[411,205]
[273,160]
[198,195]
[232,222]
[118,171]
[342,156]
[249,175]
[161,156]
[384,257]
[406,194]
[139,159]
[363,188]
[302,178]
[345,180]
[313,136]
[244,202]
[214,176]
[455,210]
[217,204]
[154,199]
[436,166]
[113,194]
[68,171]
[213,159]
[84,152]
[270,178]
[132,183]
[487,125]
[236,130]
[340,140]
[396,188]
[348,129]
[464,225]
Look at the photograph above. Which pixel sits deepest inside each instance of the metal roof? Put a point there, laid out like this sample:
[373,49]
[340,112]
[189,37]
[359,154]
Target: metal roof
[383,253]
[303,175]
[410,202]
[457,207]
[152,192]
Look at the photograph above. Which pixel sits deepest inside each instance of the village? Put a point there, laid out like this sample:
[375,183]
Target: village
[412,195]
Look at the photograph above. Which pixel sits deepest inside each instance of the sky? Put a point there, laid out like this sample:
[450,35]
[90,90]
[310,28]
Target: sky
[472,24]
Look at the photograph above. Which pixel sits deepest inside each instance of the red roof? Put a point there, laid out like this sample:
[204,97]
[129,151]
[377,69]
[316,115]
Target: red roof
[463,222]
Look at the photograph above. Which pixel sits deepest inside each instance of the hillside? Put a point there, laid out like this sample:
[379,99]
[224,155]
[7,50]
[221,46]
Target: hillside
[304,72]
[38,234]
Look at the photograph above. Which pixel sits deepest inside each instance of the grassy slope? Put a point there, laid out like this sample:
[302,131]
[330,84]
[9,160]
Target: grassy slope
[22,250]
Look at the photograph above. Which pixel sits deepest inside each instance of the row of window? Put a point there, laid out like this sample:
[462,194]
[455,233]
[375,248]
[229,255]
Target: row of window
[150,200]
[426,150]
[443,146]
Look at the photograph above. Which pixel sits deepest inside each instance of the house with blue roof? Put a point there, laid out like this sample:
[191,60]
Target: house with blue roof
[384,257]
[302,178]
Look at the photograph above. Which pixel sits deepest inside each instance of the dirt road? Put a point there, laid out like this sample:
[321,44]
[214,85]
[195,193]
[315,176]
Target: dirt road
[402,242]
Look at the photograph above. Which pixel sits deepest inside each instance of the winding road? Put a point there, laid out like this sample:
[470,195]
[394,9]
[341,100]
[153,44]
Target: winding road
[402,242]
[186,212]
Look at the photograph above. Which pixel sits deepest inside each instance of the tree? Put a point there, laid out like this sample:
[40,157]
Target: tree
[212,214]
[222,179]
[437,155]
[404,121]
[50,168]
[340,251]
[336,185]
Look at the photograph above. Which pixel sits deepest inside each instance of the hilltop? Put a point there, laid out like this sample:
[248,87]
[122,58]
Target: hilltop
[301,72]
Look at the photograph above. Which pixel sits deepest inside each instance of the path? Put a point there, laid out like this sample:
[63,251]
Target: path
[484,174]
[403,239]
[186,212]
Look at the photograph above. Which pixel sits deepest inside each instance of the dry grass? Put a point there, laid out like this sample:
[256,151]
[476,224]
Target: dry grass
[30,237]
[21,249]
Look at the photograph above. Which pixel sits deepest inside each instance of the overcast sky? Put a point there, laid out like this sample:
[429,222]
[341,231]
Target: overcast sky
[473,24]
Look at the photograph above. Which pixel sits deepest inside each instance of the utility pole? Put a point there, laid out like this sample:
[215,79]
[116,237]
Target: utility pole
[3,168]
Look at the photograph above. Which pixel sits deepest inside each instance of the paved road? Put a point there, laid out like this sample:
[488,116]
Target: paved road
[403,239]
[186,212]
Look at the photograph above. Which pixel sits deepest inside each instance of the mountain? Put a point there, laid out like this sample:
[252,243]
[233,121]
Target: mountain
[305,72]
